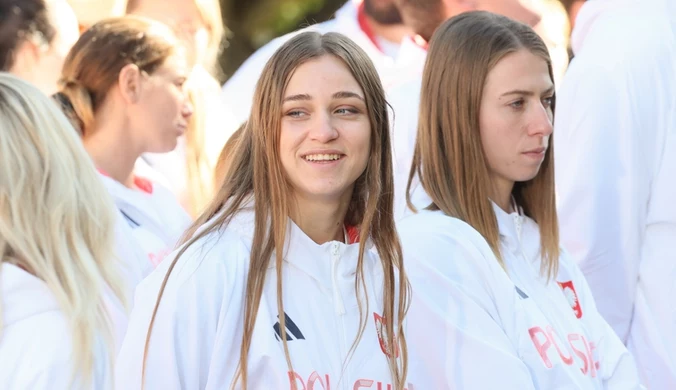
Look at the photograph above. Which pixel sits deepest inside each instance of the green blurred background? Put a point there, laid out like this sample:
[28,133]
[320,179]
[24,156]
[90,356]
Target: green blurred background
[252,23]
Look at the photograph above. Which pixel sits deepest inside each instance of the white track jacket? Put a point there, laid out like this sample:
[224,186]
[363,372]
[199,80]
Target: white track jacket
[155,217]
[615,140]
[502,329]
[197,335]
[36,350]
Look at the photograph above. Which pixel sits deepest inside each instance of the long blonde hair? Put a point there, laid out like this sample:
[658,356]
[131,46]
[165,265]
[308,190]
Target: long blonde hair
[254,168]
[449,158]
[56,218]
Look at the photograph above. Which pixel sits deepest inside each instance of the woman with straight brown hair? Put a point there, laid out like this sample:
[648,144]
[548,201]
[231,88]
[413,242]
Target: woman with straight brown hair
[293,277]
[489,279]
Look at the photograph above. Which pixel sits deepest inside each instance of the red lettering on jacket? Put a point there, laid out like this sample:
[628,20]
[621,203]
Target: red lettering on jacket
[316,379]
[551,334]
[581,354]
[541,345]
[313,379]
[577,343]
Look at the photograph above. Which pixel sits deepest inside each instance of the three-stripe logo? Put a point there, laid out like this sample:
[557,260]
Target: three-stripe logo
[291,327]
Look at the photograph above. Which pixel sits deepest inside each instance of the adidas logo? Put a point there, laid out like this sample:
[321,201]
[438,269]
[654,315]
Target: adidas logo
[291,327]
[133,224]
[521,293]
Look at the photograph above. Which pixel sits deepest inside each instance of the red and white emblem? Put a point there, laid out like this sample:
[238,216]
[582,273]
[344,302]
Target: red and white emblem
[381,331]
[571,296]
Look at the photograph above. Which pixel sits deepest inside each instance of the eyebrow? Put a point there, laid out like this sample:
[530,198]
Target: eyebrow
[337,95]
[527,93]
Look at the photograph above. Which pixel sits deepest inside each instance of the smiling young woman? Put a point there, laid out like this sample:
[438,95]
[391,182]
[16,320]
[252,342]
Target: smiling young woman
[490,281]
[293,276]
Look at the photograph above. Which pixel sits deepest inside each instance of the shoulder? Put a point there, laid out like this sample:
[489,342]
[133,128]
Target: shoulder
[435,242]
[36,344]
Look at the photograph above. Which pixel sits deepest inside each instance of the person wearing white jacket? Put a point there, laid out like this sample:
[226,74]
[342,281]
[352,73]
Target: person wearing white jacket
[404,95]
[374,25]
[615,170]
[123,84]
[294,277]
[489,278]
[62,296]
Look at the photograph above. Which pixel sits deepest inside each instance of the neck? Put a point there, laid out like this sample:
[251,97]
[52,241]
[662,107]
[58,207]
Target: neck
[502,195]
[110,150]
[390,32]
[321,220]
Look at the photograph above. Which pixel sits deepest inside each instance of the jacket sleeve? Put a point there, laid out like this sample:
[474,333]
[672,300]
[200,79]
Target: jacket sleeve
[601,187]
[616,366]
[203,295]
[454,306]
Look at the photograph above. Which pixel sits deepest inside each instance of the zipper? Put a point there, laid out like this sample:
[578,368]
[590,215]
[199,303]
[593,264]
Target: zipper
[339,307]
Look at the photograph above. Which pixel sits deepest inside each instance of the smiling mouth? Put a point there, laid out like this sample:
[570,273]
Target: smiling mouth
[322,157]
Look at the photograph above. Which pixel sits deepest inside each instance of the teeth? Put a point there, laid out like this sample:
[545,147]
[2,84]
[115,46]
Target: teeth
[322,157]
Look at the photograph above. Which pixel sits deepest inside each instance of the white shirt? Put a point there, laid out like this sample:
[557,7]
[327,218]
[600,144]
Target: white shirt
[615,141]
[36,344]
[153,214]
[196,339]
[238,91]
[502,328]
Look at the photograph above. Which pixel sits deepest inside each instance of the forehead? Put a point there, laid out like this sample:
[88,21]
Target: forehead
[520,70]
[324,75]
[174,64]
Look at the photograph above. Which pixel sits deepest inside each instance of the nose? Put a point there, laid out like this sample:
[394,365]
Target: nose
[323,130]
[187,109]
[541,122]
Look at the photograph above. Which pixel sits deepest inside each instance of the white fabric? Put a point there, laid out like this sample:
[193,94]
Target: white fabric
[405,101]
[156,219]
[238,91]
[196,339]
[36,345]
[615,149]
[502,329]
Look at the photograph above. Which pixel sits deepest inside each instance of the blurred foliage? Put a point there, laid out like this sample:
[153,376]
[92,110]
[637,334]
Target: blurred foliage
[252,23]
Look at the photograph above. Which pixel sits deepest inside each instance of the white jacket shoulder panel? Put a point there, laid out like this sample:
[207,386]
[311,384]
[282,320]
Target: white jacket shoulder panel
[36,343]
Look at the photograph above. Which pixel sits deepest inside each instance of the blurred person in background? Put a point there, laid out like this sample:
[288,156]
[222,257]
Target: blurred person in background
[35,36]
[189,168]
[88,12]
[374,25]
[615,168]
[125,81]
[62,297]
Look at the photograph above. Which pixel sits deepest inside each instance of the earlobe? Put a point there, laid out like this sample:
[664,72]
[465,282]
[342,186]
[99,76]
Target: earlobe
[129,82]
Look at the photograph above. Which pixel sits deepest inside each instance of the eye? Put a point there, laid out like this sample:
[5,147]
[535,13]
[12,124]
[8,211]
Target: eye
[517,104]
[347,111]
[547,102]
[296,114]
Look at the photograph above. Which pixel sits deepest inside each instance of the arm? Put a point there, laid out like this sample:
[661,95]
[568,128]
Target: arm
[602,190]
[203,295]
[454,331]
[616,366]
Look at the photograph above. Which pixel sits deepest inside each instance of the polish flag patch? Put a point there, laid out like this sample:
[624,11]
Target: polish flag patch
[382,338]
[571,296]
